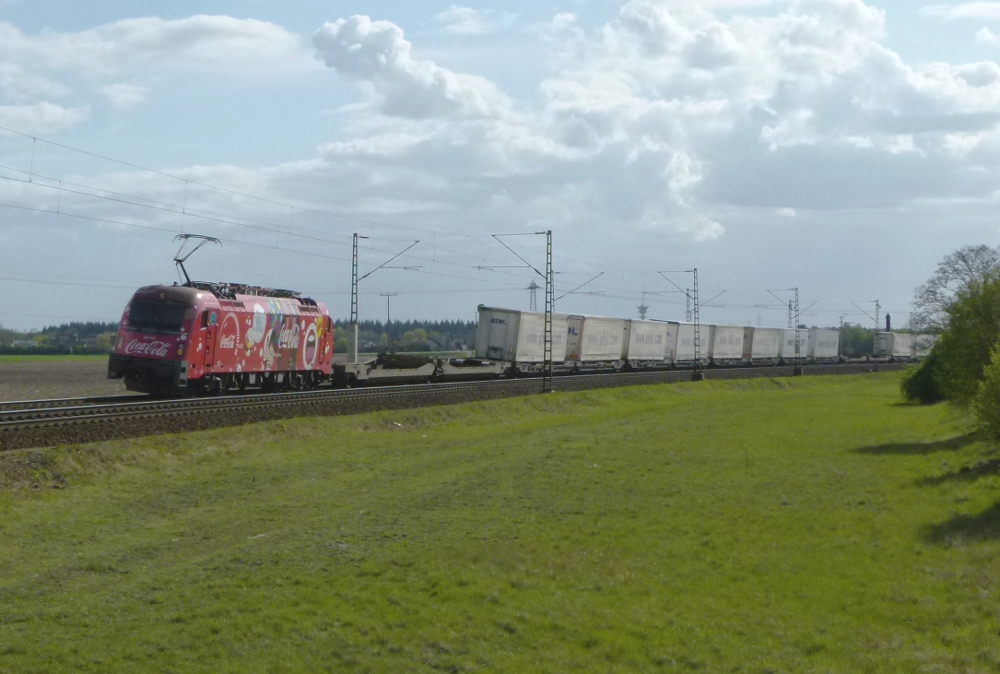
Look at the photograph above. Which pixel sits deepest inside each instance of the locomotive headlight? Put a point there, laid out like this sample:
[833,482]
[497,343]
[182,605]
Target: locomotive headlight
[180,352]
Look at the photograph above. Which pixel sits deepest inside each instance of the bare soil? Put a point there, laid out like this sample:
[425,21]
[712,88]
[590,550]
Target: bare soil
[57,378]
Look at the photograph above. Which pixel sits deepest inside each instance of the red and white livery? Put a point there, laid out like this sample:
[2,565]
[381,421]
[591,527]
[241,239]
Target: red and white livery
[207,338]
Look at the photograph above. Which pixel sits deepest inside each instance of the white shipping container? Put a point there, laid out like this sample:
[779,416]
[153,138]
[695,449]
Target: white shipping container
[788,343]
[651,341]
[766,343]
[685,342]
[601,340]
[894,344]
[823,344]
[519,336]
[883,344]
[726,344]
[902,345]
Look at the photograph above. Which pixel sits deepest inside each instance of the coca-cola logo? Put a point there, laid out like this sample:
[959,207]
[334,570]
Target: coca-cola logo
[157,349]
[288,338]
[229,332]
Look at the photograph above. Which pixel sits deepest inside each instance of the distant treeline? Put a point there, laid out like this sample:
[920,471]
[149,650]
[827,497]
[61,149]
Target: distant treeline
[406,336]
[76,338]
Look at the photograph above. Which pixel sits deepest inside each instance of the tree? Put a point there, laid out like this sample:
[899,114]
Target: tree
[986,404]
[963,351]
[955,273]
[856,341]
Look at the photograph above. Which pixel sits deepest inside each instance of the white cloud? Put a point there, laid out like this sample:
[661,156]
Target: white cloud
[376,52]
[669,114]
[987,36]
[211,43]
[19,85]
[467,21]
[668,119]
[124,95]
[40,118]
[965,10]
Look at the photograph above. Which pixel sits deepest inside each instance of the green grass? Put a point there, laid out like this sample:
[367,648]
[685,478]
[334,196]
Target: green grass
[65,358]
[807,525]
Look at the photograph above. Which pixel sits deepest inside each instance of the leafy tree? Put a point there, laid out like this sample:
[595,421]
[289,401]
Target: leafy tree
[955,273]
[856,341]
[919,385]
[986,404]
[965,349]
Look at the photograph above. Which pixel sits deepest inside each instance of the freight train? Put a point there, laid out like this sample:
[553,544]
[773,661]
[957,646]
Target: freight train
[207,338]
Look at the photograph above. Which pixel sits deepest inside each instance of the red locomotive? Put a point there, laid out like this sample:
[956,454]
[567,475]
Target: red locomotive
[208,338]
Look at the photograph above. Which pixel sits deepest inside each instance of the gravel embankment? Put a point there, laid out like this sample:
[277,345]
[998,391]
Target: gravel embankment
[109,430]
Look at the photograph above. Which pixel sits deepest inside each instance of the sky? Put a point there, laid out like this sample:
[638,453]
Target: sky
[841,147]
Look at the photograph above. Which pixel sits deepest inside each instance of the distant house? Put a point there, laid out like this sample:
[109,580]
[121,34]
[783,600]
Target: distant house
[25,344]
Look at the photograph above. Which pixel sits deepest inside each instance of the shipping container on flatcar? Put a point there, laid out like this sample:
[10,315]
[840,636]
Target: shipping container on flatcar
[594,339]
[823,345]
[765,344]
[788,336]
[894,345]
[650,342]
[726,344]
[206,337]
[518,337]
[684,354]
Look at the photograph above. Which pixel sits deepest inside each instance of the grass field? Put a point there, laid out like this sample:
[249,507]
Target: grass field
[66,358]
[807,525]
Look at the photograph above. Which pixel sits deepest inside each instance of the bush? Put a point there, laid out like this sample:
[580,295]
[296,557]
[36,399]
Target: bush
[919,385]
[986,404]
[964,350]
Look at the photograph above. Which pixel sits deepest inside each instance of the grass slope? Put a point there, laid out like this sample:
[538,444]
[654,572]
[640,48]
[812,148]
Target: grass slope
[797,525]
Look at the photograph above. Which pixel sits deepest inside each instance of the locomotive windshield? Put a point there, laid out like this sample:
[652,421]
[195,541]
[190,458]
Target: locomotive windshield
[158,315]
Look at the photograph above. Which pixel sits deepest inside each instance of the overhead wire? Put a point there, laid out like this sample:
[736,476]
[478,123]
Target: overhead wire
[296,231]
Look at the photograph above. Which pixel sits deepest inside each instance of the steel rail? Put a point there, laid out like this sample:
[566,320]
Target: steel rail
[60,412]
[6,405]
[154,408]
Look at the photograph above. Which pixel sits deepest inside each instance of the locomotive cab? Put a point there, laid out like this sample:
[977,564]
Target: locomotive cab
[153,338]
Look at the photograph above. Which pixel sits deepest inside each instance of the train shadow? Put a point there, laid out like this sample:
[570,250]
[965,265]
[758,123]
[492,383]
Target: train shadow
[984,526]
[947,445]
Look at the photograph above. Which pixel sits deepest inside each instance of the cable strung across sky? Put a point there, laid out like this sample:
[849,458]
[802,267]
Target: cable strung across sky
[767,144]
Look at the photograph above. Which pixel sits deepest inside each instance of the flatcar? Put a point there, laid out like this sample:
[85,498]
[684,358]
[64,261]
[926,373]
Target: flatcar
[206,338]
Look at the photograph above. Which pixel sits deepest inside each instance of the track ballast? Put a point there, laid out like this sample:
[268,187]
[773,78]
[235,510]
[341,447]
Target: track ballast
[76,420]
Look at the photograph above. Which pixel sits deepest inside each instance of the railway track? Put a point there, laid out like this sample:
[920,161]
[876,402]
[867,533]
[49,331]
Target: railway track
[13,405]
[73,420]
[26,414]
